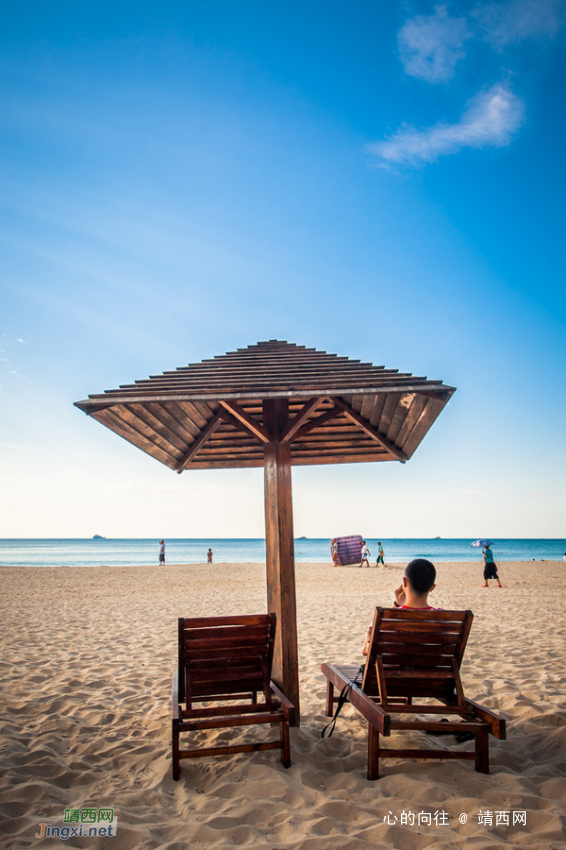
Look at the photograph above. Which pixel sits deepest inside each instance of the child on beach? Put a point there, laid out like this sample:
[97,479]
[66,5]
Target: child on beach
[380,553]
[412,593]
[209,556]
[365,553]
[490,567]
[334,551]
[161,551]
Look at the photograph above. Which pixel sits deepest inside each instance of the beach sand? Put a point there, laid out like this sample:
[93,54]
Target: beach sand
[86,669]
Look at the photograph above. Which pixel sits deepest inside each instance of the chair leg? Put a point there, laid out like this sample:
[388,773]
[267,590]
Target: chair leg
[285,744]
[373,752]
[482,752]
[329,698]
[175,751]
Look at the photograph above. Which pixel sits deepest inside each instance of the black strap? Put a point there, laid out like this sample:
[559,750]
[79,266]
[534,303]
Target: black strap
[341,700]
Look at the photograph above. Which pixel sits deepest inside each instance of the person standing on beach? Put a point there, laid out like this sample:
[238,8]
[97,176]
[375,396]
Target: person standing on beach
[365,553]
[380,553]
[209,556]
[490,567]
[162,551]
[334,551]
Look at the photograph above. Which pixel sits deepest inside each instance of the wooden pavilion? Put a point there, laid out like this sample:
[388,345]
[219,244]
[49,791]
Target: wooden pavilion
[276,405]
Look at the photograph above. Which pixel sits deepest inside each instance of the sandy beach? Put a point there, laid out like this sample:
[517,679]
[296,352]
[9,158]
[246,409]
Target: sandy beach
[87,657]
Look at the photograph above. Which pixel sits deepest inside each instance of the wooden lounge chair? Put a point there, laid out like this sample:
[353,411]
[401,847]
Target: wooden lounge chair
[416,655]
[225,663]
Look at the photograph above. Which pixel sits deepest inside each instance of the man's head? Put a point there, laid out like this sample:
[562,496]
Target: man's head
[420,575]
[363,542]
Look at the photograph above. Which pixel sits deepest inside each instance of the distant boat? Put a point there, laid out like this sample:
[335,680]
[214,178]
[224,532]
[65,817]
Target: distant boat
[438,538]
[98,537]
[302,538]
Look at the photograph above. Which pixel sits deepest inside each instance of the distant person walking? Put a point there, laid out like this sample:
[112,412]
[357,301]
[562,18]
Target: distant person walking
[490,567]
[365,554]
[162,551]
[334,551]
[380,553]
[209,556]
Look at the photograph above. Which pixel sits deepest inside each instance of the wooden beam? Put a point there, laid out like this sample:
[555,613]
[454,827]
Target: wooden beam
[252,425]
[128,396]
[370,430]
[212,426]
[318,421]
[279,549]
[300,418]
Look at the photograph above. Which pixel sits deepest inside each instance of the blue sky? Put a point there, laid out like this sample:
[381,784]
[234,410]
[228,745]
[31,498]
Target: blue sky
[383,181]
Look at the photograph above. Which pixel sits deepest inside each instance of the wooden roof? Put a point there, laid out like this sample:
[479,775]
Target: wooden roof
[210,414]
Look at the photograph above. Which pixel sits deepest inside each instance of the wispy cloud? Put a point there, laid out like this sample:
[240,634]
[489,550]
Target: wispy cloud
[431,45]
[514,21]
[490,120]
[430,48]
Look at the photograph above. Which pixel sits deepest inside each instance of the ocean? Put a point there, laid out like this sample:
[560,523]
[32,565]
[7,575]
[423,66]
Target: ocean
[131,552]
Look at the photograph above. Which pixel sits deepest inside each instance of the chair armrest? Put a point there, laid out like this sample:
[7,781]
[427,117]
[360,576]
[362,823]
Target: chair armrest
[368,708]
[496,723]
[286,703]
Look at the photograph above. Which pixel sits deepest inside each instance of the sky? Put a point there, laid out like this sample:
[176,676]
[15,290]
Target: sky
[384,181]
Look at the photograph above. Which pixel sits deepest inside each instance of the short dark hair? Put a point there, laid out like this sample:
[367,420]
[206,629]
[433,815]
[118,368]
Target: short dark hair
[421,575]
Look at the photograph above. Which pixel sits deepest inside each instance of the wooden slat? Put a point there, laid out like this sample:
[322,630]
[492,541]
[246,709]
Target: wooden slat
[236,620]
[426,754]
[231,393]
[235,720]
[222,632]
[211,752]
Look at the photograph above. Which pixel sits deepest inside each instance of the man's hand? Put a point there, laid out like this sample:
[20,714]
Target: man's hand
[400,597]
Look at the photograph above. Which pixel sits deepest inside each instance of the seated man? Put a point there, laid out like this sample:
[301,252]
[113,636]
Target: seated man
[418,581]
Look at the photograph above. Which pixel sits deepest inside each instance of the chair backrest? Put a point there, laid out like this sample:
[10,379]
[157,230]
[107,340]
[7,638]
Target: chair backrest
[225,656]
[419,654]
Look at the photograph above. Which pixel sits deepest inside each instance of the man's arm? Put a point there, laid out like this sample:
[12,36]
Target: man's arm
[365,648]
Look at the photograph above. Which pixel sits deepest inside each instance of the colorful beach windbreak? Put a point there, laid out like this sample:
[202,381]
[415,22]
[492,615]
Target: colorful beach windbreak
[100,551]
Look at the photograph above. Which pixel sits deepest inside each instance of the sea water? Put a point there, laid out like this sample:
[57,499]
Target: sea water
[131,552]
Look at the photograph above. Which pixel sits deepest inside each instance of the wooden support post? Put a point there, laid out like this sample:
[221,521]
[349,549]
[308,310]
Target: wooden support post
[279,546]
[373,753]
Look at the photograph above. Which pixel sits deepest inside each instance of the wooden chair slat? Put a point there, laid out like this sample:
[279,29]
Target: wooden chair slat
[232,649]
[220,633]
[430,638]
[242,620]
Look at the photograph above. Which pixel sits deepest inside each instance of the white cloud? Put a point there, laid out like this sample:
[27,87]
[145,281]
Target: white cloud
[431,45]
[490,120]
[516,20]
